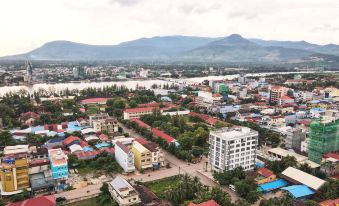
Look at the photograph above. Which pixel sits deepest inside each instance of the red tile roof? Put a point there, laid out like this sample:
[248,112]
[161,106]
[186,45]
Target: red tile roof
[163,135]
[122,146]
[330,202]
[103,137]
[87,155]
[37,201]
[71,139]
[94,100]
[286,98]
[208,203]
[141,123]
[332,155]
[265,172]
[141,140]
[152,104]
[140,109]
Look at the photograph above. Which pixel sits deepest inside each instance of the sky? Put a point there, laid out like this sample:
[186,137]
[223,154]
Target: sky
[28,24]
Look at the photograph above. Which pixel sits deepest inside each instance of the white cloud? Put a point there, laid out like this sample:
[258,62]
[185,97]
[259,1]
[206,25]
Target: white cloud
[26,24]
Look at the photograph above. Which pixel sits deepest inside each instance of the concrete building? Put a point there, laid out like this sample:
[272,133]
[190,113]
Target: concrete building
[131,113]
[14,173]
[59,165]
[208,99]
[123,192]
[233,147]
[277,92]
[124,157]
[293,137]
[108,126]
[96,117]
[142,156]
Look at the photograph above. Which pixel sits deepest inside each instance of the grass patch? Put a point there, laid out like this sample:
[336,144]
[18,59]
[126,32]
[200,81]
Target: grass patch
[85,170]
[88,202]
[159,187]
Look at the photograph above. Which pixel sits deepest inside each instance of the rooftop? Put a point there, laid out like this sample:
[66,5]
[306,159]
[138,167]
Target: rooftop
[233,132]
[41,201]
[304,178]
[57,156]
[140,109]
[298,191]
[140,147]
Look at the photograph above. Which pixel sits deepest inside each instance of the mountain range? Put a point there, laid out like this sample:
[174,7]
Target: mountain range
[233,48]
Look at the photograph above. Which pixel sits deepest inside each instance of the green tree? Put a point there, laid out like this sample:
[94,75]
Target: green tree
[133,104]
[330,190]
[6,139]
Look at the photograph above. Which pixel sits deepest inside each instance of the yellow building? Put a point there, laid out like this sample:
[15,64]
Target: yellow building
[142,156]
[14,173]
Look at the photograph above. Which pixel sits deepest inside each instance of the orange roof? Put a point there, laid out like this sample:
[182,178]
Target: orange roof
[286,98]
[265,172]
[330,202]
[41,201]
[208,203]
[140,109]
[94,100]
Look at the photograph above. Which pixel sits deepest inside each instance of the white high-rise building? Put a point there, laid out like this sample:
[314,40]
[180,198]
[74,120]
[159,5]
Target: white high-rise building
[233,147]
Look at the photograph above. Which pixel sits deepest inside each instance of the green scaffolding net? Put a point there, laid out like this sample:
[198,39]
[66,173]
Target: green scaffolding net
[323,138]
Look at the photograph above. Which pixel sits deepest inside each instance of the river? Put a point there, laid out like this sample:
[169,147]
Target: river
[131,84]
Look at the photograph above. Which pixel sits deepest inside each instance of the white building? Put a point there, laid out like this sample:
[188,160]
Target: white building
[131,113]
[208,99]
[233,147]
[124,157]
[123,192]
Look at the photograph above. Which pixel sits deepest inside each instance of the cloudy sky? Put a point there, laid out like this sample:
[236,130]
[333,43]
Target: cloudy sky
[27,24]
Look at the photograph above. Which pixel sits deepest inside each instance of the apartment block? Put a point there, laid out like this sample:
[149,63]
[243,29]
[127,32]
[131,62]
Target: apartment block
[232,147]
[142,156]
[14,172]
[108,126]
[59,166]
[124,157]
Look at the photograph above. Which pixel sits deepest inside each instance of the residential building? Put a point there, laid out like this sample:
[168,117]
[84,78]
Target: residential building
[97,117]
[264,176]
[108,126]
[233,147]
[123,192]
[58,161]
[323,138]
[158,158]
[40,175]
[131,113]
[14,173]
[124,157]
[304,146]
[277,92]
[293,137]
[208,99]
[17,149]
[142,156]
[285,100]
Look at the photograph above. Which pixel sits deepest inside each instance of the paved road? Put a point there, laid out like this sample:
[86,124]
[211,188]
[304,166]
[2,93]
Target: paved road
[176,167]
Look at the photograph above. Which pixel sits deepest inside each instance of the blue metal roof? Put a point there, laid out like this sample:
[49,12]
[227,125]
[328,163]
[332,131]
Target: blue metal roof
[272,185]
[298,191]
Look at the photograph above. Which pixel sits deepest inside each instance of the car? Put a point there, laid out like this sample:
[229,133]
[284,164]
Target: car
[232,187]
[60,199]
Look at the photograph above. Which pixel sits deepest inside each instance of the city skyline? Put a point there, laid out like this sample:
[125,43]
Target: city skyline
[30,24]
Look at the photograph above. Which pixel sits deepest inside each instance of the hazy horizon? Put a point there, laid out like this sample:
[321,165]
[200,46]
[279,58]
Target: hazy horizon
[29,24]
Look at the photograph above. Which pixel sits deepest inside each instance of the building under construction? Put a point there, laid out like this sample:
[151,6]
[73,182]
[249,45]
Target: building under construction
[323,138]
